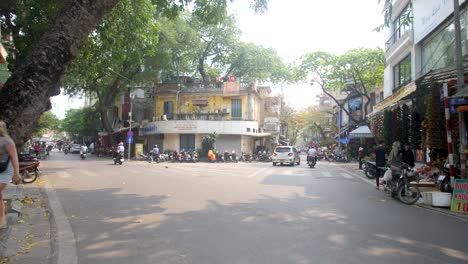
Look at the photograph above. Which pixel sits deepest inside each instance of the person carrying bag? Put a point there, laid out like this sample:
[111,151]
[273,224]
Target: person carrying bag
[9,167]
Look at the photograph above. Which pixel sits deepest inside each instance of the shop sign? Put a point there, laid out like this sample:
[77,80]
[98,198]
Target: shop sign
[460,197]
[138,149]
[395,97]
[151,129]
[185,125]
[231,88]
[428,14]
[455,102]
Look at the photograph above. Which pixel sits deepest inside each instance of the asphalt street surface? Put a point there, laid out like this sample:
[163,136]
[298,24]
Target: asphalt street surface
[243,213]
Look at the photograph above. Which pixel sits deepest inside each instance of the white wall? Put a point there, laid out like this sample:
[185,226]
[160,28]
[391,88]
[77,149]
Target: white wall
[201,127]
[171,141]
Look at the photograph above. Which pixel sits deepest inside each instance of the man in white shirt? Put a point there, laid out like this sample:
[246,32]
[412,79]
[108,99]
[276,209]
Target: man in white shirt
[311,153]
[121,148]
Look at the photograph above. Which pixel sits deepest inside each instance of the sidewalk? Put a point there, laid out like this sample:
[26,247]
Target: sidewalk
[354,167]
[28,239]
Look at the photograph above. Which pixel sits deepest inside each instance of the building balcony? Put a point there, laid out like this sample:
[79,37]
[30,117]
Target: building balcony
[201,87]
[222,127]
[398,44]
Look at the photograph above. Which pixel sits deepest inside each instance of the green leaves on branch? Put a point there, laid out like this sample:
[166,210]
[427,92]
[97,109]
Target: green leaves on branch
[81,122]
[48,121]
[358,70]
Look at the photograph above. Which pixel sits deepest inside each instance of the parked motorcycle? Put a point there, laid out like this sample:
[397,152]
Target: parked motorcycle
[28,168]
[245,157]
[194,156]
[263,156]
[119,158]
[219,157]
[370,169]
[144,157]
[338,158]
[400,185]
[444,182]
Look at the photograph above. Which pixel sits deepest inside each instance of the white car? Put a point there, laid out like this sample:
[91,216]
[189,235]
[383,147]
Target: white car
[285,155]
[75,148]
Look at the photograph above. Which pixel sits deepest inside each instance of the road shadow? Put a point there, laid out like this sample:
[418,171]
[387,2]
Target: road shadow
[115,227]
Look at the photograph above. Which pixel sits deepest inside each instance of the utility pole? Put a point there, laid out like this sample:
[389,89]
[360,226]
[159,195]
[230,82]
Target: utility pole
[132,95]
[460,83]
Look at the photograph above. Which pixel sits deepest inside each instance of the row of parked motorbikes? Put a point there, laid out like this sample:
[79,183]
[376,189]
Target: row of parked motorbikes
[226,156]
[401,183]
[175,156]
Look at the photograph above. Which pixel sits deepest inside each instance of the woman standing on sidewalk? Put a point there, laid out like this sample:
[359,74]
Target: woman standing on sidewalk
[9,156]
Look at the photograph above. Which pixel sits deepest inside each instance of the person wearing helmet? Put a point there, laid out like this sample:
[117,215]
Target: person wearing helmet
[121,148]
[156,153]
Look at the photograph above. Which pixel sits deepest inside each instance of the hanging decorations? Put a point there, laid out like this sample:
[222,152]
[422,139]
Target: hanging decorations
[415,130]
[387,129]
[434,124]
[404,128]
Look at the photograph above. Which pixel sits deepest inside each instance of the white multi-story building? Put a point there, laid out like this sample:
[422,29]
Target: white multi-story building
[420,41]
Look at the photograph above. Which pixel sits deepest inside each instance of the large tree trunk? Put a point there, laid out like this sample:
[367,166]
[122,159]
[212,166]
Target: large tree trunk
[26,94]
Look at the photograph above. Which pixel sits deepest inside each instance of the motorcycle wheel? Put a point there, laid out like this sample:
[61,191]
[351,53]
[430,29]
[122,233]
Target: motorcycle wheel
[29,176]
[369,175]
[408,195]
[274,163]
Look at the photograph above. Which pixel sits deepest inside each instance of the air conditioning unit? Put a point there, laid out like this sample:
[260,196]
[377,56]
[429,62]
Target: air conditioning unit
[225,110]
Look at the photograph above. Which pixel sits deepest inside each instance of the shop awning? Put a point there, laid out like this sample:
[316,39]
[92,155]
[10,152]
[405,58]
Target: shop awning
[440,75]
[394,98]
[361,132]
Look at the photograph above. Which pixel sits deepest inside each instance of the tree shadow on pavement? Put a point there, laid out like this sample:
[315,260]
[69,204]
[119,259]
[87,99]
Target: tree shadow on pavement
[114,227]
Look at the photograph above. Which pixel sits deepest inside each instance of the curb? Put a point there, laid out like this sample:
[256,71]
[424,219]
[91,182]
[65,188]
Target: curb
[463,217]
[65,244]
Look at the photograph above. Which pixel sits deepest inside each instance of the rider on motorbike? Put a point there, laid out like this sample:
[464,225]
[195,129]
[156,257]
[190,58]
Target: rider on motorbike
[311,154]
[156,153]
[119,150]
[83,149]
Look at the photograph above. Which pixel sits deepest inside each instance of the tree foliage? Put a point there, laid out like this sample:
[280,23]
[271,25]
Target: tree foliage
[37,77]
[357,72]
[113,55]
[208,142]
[26,21]
[48,121]
[251,62]
[80,122]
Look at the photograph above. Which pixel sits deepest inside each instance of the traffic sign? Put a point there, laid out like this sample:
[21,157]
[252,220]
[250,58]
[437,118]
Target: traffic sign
[129,140]
[129,134]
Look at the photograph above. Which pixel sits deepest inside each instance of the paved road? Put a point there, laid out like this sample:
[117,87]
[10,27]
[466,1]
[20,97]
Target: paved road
[243,213]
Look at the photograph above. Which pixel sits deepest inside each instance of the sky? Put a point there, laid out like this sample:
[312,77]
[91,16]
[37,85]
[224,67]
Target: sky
[294,28]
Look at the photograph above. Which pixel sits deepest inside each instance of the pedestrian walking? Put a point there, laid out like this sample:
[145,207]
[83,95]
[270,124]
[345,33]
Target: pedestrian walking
[380,161]
[9,167]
